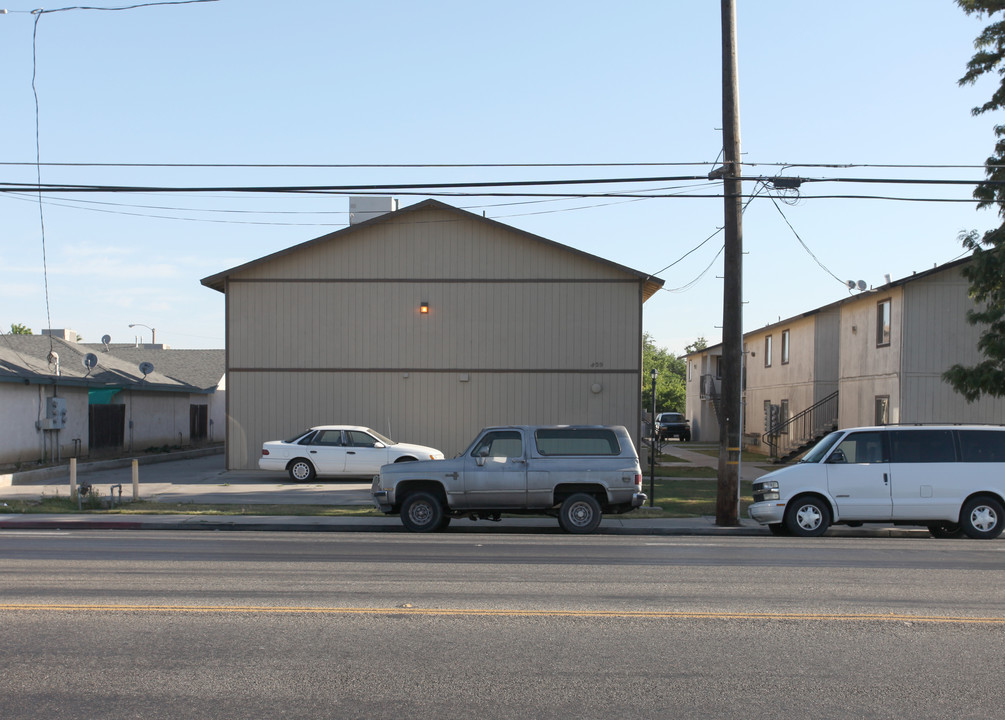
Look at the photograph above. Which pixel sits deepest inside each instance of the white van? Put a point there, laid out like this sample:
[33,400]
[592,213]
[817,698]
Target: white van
[950,478]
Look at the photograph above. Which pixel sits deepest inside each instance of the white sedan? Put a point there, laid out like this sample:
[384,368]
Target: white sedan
[338,451]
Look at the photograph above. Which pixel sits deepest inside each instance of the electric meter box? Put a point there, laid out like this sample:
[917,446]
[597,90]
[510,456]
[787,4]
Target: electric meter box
[55,413]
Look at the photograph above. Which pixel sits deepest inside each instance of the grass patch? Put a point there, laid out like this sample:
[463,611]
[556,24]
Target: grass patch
[746,456]
[684,471]
[688,498]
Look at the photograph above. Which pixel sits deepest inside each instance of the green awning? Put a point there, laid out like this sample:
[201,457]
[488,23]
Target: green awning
[102,396]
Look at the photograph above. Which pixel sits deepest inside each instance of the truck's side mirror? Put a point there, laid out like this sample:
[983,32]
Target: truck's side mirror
[483,452]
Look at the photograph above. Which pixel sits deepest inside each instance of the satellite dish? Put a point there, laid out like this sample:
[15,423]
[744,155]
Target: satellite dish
[146,368]
[851,284]
[105,339]
[861,285]
[90,361]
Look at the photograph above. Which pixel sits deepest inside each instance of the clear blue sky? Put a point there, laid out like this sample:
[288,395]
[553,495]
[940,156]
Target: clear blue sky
[242,81]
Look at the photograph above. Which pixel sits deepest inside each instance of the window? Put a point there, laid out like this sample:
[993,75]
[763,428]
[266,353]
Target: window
[769,421]
[718,366]
[584,441]
[860,448]
[783,417]
[767,351]
[982,445]
[331,438]
[785,347]
[882,409]
[500,443]
[690,368]
[922,446]
[883,323]
[358,438]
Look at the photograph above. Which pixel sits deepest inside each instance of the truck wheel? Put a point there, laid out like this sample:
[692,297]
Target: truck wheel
[301,470]
[982,518]
[809,517]
[421,512]
[580,514]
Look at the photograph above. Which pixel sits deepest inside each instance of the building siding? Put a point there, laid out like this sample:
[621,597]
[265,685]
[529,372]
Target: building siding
[519,330]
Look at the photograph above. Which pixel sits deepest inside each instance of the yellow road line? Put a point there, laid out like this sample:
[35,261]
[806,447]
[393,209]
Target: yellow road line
[448,612]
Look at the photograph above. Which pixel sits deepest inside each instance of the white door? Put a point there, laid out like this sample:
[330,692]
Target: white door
[858,477]
[363,456]
[327,452]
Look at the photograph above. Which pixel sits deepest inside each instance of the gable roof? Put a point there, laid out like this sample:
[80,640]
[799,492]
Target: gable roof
[24,359]
[650,284]
[845,301]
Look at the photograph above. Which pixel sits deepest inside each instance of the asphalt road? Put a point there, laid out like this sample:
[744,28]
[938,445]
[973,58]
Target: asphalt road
[149,624]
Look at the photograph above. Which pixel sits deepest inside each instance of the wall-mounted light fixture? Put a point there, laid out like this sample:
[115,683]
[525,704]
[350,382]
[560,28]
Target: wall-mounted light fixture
[424,308]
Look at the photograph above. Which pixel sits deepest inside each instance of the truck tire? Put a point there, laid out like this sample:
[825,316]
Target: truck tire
[580,514]
[422,512]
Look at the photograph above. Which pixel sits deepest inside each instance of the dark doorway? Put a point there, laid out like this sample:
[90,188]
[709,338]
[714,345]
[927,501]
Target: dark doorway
[106,426]
[198,422]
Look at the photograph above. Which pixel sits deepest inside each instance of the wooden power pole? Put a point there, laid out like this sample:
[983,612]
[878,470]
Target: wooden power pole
[727,499]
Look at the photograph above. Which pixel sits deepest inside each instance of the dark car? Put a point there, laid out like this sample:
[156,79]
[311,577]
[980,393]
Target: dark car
[671,424]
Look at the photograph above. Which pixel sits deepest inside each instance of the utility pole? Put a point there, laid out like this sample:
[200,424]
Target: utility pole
[727,503]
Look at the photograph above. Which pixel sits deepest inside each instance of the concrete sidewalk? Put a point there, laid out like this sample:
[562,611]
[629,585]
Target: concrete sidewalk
[204,480]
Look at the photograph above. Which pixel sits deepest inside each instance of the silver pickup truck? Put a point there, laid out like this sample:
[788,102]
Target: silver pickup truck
[572,472]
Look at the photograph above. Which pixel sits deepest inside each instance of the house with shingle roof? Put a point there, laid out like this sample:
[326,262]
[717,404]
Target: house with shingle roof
[62,399]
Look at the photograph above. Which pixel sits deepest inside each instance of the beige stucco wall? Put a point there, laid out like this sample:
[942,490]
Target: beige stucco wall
[22,405]
[519,331]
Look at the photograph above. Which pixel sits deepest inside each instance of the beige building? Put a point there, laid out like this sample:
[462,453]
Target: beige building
[427,324]
[876,357]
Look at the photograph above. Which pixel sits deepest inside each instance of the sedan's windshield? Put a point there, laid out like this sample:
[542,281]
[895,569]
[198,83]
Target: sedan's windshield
[818,451]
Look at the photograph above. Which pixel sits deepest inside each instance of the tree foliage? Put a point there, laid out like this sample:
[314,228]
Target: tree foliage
[18,329]
[986,270]
[670,386]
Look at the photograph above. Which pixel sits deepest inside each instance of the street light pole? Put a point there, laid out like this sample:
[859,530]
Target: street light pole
[153,332]
[652,445]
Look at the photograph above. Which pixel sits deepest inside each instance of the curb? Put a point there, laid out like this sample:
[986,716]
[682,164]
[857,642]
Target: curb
[260,523]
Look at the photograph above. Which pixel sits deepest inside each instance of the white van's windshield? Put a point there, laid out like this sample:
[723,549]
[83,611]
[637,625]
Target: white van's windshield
[818,451]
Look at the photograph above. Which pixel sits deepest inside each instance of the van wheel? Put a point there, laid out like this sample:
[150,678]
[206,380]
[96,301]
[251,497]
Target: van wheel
[982,518]
[301,470]
[809,517]
[945,530]
[422,512]
[580,514]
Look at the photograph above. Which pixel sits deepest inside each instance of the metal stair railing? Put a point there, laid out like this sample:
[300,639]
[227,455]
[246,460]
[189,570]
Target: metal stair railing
[804,426]
[709,392]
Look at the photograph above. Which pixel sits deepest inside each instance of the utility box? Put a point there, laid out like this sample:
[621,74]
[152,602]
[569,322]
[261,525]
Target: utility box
[55,414]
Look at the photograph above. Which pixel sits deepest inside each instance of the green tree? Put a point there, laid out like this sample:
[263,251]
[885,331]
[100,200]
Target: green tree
[18,329]
[700,344]
[669,382]
[986,270]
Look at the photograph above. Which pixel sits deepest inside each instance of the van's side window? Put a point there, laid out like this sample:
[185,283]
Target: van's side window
[982,445]
[922,446]
[863,447]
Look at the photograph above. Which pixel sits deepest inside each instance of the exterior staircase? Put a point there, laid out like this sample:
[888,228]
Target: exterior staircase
[799,433]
